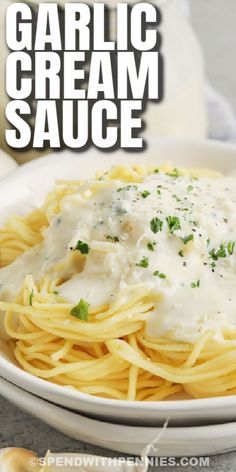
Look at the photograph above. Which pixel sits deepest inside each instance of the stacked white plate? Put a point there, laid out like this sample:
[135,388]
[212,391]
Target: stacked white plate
[170,441]
[196,427]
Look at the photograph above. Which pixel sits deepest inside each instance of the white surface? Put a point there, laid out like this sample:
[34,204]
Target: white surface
[20,186]
[7,164]
[191,441]
[214,22]
[220,69]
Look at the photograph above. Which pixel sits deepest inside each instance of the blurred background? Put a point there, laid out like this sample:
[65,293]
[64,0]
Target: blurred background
[189,109]
[215,24]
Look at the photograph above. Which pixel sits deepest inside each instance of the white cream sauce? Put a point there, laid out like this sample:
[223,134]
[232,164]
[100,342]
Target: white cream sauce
[196,279]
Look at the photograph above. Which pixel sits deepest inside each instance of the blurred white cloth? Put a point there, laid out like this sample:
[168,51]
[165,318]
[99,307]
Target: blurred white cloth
[222,119]
[185,6]
[221,116]
[7,164]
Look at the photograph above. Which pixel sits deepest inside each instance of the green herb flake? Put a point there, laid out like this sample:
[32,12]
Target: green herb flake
[145,193]
[226,249]
[82,247]
[156,225]
[190,188]
[128,187]
[56,292]
[150,246]
[156,171]
[31,296]
[219,253]
[159,274]
[195,284]
[230,247]
[112,238]
[188,238]
[174,173]
[144,263]
[176,198]
[158,192]
[181,254]
[173,223]
[81,311]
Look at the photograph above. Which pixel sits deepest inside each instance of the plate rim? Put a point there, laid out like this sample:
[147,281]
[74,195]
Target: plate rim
[132,436]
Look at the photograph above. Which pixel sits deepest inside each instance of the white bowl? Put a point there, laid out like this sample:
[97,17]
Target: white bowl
[172,442]
[29,184]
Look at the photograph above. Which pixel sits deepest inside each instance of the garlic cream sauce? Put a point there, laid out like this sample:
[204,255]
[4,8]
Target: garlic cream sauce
[174,235]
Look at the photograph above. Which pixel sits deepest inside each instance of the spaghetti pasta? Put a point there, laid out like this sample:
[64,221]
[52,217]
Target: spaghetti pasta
[120,346]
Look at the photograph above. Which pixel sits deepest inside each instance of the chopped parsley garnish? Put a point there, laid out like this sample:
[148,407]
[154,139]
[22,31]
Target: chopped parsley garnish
[190,188]
[219,253]
[143,263]
[158,192]
[181,254]
[31,296]
[157,273]
[56,292]
[188,238]
[156,171]
[173,223]
[145,193]
[128,187]
[195,284]
[150,246]
[224,250]
[156,225]
[82,247]
[176,198]
[80,311]
[112,238]
[230,247]
[174,173]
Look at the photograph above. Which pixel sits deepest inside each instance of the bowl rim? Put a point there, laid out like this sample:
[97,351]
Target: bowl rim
[29,382]
[40,387]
